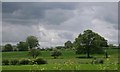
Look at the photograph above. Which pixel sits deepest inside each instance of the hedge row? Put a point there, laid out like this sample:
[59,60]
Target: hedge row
[24,61]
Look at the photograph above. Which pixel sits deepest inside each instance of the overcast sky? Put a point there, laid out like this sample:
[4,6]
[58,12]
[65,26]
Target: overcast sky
[54,23]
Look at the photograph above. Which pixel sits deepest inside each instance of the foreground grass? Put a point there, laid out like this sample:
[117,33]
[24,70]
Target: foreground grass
[63,67]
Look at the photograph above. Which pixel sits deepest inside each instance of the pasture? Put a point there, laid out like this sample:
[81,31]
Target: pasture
[68,61]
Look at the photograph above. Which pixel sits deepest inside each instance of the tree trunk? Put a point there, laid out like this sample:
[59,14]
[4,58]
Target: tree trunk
[88,52]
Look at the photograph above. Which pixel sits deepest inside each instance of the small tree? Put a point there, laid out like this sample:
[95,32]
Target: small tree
[56,53]
[32,42]
[8,47]
[34,53]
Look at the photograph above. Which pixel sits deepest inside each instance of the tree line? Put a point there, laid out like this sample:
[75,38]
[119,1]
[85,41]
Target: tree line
[87,43]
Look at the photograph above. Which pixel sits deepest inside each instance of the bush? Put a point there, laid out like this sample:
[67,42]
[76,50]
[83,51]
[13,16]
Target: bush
[97,61]
[40,61]
[56,53]
[5,62]
[14,62]
[24,61]
[101,61]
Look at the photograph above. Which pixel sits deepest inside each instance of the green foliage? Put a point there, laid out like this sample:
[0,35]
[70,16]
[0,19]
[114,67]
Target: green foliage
[5,62]
[22,46]
[56,53]
[59,47]
[68,44]
[14,62]
[89,42]
[8,47]
[32,42]
[34,53]
[40,61]
[24,62]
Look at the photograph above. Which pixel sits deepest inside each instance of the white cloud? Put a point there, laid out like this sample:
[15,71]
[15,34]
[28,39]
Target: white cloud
[51,37]
[106,29]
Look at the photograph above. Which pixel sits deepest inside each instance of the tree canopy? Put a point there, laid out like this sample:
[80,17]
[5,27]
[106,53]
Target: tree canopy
[32,42]
[68,44]
[89,42]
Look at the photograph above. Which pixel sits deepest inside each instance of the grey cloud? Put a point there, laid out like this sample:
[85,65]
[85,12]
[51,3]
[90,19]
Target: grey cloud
[66,35]
[24,12]
[57,16]
[16,33]
[55,23]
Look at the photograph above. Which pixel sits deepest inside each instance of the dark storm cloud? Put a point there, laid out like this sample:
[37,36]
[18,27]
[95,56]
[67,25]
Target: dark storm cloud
[32,13]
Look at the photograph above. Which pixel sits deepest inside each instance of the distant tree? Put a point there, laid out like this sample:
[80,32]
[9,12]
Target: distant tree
[111,45]
[89,42]
[68,44]
[32,42]
[34,53]
[119,46]
[22,46]
[8,47]
[56,53]
[59,47]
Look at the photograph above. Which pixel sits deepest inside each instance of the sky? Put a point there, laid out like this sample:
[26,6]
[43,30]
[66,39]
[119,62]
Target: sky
[54,23]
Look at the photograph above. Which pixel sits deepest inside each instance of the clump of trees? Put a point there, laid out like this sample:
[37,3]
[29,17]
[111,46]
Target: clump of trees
[30,43]
[89,42]
[22,46]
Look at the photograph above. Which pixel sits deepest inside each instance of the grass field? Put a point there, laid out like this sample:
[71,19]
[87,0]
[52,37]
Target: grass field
[67,61]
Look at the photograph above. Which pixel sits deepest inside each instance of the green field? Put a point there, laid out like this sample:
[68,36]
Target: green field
[67,61]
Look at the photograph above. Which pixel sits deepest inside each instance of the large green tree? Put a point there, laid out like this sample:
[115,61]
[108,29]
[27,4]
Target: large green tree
[32,42]
[22,46]
[89,42]
[68,44]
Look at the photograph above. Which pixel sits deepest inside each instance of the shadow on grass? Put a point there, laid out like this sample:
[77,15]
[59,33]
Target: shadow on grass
[83,57]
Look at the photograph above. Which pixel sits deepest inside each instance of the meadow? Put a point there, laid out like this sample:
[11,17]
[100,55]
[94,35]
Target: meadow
[68,61]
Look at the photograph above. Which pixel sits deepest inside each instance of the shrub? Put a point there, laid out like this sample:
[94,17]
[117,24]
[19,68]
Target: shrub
[40,61]
[56,53]
[5,62]
[14,62]
[101,61]
[97,61]
[24,61]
